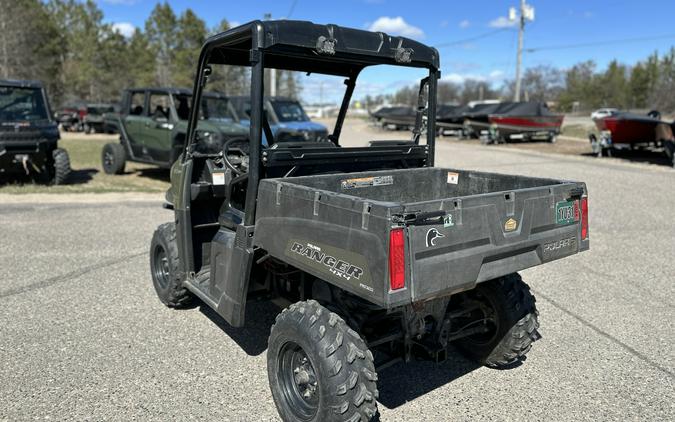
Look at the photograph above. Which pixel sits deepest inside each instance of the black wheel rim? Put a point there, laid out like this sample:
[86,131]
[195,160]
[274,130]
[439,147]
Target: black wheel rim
[160,267]
[298,381]
[108,159]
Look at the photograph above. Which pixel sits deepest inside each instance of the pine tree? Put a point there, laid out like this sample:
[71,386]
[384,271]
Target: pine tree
[161,28]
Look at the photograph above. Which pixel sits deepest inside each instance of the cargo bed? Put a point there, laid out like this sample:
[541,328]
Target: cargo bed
[459,227]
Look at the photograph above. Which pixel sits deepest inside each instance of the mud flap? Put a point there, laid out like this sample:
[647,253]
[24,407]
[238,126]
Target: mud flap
[232,258]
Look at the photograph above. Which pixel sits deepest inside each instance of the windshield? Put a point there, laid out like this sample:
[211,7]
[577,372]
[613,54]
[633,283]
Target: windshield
[21,104]
[216,108]
[212,108]
[289,111]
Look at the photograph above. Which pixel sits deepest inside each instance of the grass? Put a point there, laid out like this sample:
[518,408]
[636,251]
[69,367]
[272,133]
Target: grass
[577,131]
[88,176]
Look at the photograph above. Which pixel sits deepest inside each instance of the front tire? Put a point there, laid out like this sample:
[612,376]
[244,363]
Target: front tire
[319,369]
[513,321]
[165,268]
[113,158]
[61,165]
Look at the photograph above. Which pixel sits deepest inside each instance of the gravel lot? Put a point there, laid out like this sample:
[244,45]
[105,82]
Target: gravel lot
[82,335]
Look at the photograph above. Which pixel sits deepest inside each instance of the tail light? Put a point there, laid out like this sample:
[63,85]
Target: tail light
[584,218]
[396,259]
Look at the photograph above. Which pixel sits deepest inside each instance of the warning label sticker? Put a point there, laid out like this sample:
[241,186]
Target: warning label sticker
[453,178]
[363,182]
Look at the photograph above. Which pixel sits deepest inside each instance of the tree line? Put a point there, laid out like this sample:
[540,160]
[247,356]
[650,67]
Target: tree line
[78,56]
[648,84]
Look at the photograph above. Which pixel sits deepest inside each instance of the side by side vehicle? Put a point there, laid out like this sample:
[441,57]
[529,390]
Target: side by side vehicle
[153,123]
[29,135]
[378,256]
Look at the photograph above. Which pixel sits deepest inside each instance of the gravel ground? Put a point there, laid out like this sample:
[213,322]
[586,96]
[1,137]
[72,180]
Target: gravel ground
[83,336]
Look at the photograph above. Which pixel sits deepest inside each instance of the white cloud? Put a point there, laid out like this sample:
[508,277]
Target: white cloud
[464,24]
[124,28]
[396,26]
[502,22]
[496,74]
[459,78]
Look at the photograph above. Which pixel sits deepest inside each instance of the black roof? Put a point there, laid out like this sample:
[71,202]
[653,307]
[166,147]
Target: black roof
[306,46]
[20,83]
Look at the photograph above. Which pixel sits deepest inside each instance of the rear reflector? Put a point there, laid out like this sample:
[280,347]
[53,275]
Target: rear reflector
[584,218]
[396,259]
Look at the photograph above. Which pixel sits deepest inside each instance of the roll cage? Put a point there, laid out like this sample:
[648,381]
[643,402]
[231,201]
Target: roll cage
[323,49]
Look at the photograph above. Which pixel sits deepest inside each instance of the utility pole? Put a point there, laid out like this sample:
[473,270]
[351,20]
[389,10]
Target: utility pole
[273,72]
[526,14]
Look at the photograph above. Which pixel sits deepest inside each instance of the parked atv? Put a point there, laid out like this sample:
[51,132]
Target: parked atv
[380,256]
[29,135]
[153,124]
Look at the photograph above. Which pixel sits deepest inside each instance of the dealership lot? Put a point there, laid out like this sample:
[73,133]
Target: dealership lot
[84,337]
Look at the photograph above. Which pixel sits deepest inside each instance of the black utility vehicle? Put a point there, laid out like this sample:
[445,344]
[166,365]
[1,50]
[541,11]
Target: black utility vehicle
[153,123]
[381,256]
[29,135]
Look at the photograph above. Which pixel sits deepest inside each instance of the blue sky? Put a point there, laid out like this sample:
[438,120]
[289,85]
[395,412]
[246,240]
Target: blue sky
[491,58]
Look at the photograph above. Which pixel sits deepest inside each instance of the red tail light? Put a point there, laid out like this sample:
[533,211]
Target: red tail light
[584,218]
[396,259]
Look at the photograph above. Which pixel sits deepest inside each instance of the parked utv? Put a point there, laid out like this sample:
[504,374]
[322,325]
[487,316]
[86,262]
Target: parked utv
[93,120]
[381,256]
[70,116]
[288,120]
[153,124]
[29,135]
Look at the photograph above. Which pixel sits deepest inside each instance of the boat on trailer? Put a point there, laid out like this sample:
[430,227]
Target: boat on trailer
[626,130]
[524,121]
[394,117]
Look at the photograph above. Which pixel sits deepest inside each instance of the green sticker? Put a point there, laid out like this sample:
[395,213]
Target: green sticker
[447,221]
[566,212]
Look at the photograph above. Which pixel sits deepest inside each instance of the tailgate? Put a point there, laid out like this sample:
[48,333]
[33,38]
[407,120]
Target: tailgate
[455,243]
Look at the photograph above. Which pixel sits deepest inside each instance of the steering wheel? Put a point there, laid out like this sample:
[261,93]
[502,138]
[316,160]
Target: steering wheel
[238,148]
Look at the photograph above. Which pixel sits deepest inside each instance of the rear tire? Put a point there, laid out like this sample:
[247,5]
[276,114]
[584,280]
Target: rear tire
[319,369]
[61,166]
[164,267]
[516,323]
[113,158]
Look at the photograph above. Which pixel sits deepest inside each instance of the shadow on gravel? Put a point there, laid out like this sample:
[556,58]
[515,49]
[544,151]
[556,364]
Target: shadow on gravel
[252,337]
[403,382]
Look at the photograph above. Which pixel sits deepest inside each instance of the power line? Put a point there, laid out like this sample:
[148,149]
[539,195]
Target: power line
[477,37]
[292,9]
[596,43]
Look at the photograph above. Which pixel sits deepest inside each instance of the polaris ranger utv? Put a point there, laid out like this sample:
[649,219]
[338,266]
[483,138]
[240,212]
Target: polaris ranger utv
[381,256]
[29,135]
